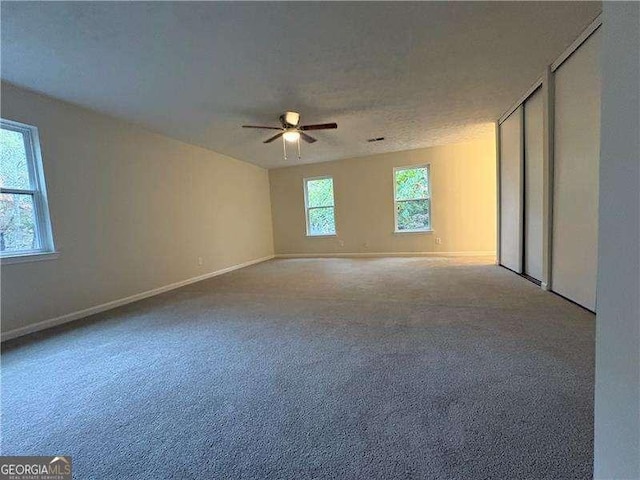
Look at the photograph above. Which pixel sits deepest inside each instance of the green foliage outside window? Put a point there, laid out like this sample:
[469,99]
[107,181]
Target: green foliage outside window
[320,193]
[322,221]
[321,213]
[413,204]
[17,216]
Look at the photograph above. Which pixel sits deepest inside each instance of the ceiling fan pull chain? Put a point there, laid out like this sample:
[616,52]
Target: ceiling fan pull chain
[298,147]
[284,147]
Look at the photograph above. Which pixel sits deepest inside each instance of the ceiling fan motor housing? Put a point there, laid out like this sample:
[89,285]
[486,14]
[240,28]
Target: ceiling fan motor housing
[290,119]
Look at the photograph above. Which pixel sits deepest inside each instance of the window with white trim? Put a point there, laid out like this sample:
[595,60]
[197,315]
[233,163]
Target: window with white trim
[319,206]
[25,228]
[412,198]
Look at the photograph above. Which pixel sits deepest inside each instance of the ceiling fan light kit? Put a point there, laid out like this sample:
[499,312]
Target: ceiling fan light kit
[291,132]
[291,135]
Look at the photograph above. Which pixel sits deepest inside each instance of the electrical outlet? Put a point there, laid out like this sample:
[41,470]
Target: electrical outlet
[200,261]
[438,241]
[341,243]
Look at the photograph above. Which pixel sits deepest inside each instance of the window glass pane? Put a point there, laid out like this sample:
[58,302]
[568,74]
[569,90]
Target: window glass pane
[17,223]
[322,221]
[320,192]
[412,183]
[414,215]
[14,172]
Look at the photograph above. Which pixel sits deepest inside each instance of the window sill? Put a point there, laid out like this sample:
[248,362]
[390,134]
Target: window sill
[29,257]
[412,231]
[322,236]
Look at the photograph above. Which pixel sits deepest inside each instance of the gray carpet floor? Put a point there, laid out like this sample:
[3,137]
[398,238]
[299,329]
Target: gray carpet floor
[315,368]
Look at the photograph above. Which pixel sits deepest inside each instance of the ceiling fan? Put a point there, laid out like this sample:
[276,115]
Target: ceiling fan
[291,132]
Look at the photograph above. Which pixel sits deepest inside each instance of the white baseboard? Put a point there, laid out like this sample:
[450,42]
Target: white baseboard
[70,317]
[385,254]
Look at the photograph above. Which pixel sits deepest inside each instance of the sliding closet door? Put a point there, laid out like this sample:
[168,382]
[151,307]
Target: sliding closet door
[576,159]
[533,190]
[511,191]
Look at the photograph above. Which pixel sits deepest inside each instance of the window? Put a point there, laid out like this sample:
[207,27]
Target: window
[412,199]
[320,210]
[24,214]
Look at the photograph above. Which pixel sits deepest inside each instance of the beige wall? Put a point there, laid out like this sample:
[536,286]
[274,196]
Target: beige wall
[617,390]
[131,211]
[463,203]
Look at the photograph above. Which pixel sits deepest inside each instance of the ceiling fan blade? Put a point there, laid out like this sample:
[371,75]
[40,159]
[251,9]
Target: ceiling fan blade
[319,126]
[275,137]
[307,138]
[260,126]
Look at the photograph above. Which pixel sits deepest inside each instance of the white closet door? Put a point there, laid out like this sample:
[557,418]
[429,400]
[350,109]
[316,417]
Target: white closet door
[511,191]
[533,148]
[575,185]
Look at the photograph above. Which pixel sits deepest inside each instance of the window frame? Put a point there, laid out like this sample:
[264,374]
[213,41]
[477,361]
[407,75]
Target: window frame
[38,192]
[427,166]
[307,208]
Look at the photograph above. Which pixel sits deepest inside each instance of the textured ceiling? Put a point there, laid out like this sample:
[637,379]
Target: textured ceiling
[419,74]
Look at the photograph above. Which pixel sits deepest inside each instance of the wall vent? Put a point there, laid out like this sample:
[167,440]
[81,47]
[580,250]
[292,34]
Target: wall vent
[377,139]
